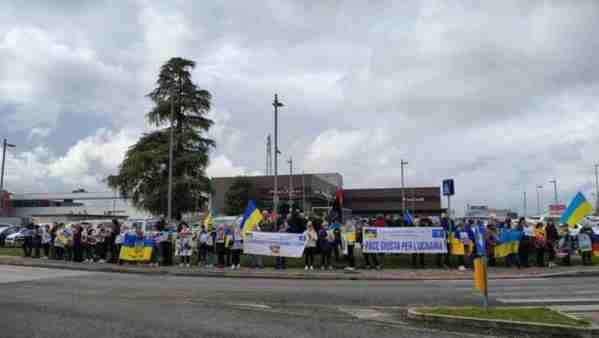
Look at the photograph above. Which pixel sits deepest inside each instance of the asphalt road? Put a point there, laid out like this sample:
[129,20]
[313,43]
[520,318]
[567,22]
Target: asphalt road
[38,302]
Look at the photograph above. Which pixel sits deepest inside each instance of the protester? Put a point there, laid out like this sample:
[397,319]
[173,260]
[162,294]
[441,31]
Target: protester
[115,230]
[584,245]
[77,245]
[220,245]
[324,246]
[525,245]
[552,238]
[566,245]
[46,240]
[490,242]
[203,237]
[184,248]
[349,239]
[27,245]
[540,243]
[236,248]
[280,261]
[311,238]
[256,260]
[446,224]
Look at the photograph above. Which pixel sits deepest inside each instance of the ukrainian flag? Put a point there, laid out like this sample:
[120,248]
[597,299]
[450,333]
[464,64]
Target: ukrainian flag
[251,217]
[578,208]
[507,243]
[208,221]
[136,249]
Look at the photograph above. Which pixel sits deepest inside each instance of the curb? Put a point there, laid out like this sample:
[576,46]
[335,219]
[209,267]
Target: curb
[508,327]
[317,275]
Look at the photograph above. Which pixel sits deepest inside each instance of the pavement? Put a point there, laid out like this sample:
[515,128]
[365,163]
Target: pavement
[41,302]
[360,274]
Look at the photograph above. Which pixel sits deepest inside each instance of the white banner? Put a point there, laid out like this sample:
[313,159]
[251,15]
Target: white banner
[404,240]
[274,244]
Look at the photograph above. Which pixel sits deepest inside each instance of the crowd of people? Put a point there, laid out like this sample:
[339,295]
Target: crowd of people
[328,245]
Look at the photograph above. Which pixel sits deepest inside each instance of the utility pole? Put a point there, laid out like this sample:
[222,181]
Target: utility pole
[554,181]
[5,145]
[524,209]
[539,187]
[275,200]
[170,163]
[403,188]
[290,183]
[304,192]
[597,188]
[268,155]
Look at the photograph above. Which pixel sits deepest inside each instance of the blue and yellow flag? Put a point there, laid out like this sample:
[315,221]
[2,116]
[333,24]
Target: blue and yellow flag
[136,249]
[208,221]
[507,243]
[578,208]
[251,217]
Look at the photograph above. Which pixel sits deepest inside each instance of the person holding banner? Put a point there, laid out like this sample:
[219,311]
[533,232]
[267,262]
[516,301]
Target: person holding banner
[220,245]
[585,245]
[280,261]
[348,236]
[236,246]
[203,246]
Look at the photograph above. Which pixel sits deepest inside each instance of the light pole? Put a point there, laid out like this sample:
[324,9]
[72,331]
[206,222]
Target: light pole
[539,187]
[597,188]
[170,163]
[275,199]
[5,145]
[525,202]
[554,182]
[403,188]
[290,183]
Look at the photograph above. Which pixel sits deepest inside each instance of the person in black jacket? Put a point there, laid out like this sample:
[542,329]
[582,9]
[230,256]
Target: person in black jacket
[28,240]
[552,238]
[114,252]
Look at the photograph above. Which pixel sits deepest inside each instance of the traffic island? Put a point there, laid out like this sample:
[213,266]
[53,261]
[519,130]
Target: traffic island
[510,321]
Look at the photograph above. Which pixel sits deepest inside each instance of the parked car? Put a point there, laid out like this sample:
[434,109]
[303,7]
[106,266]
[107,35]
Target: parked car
[5,232]
[16,239]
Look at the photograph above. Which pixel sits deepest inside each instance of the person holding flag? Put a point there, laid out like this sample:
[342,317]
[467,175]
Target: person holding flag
[251,222]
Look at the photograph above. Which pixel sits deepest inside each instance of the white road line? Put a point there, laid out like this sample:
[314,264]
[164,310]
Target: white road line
[547,300]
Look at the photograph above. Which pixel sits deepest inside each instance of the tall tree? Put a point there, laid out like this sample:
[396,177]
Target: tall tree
[238,196]
[143,175]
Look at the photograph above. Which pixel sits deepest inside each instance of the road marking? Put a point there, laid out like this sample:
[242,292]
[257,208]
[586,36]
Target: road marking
[547,300]
[252,305]
[12,274]
[577,308]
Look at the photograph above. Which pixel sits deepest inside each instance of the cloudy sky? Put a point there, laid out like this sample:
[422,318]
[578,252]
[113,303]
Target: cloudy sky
[501,97]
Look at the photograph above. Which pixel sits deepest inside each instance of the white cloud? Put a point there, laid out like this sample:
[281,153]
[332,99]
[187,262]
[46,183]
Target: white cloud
[221,165]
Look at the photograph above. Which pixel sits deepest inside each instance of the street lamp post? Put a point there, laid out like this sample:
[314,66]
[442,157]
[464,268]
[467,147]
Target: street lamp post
[554,182]
[170,163]
[597,188]
[290,183]
[403,188]
[539,187]
[525,202]
[276,104]
[5,145]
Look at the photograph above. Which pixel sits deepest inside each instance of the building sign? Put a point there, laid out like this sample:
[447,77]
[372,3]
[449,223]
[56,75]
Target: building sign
[556,210]
[414,199]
